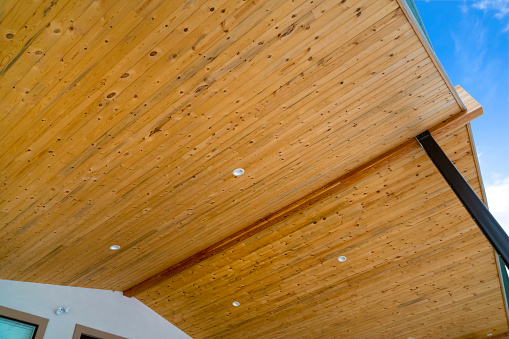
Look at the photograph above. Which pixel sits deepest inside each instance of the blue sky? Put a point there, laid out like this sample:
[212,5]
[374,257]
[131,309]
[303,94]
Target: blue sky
[471,40]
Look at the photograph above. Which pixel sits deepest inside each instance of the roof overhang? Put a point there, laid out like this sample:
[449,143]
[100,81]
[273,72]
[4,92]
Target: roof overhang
[124,121]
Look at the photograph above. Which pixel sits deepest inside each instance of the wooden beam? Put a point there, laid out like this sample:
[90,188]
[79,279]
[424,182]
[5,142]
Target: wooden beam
[473,111]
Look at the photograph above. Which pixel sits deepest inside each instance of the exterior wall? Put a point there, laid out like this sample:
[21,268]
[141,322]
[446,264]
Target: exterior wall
[107,311]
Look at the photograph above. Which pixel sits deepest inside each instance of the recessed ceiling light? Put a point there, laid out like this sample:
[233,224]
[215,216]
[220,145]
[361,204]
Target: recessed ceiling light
[235,303]
[238,171]
[489,334]
[114,247]
[343,259]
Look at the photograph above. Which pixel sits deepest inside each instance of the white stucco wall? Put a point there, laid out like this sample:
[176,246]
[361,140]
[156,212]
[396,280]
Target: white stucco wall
[107,311]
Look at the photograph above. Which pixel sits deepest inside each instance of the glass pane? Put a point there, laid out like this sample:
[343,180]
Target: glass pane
[12,329]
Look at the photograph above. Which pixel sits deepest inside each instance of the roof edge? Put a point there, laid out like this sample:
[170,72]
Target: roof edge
[502,271]
[413,16]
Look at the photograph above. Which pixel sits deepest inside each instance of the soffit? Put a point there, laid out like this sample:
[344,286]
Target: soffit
[124,121]
[417,265]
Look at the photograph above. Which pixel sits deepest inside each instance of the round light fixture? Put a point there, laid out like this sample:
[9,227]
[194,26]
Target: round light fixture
[114,247]
[238,171]
[235,303]
[343,259]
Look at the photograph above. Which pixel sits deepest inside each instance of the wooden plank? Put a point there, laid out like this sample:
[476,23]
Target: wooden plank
[430,51]
[333,188]
[140,153]
[347,296]
[41,49]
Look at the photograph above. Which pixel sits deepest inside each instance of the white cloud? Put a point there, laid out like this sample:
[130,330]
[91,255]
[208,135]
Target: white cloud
[501,7]
[464,8]
[471,54]
[498,201]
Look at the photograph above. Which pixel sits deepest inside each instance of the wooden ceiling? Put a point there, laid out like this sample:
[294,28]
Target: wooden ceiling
[417,265]
[122,123]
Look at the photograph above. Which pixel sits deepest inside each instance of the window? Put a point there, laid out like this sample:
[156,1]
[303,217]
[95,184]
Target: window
[83,332]
[16,329]
[20,325]
[84,336]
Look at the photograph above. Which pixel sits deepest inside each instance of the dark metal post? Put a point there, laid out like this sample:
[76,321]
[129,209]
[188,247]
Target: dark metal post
[478,211]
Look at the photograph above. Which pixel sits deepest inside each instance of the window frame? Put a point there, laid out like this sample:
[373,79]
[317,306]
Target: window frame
[42,323]
[80,329]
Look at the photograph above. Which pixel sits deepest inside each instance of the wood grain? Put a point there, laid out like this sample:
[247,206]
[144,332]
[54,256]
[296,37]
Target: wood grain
[473,111]
[126,128]
[122,122]
[414,256]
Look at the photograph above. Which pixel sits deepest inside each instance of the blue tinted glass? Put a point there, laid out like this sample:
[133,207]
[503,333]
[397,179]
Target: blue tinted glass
[12,329]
